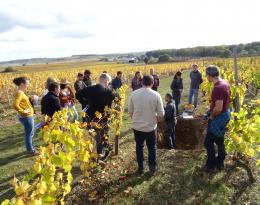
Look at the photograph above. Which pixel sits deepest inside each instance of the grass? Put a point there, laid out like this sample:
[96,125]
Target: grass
[179,180]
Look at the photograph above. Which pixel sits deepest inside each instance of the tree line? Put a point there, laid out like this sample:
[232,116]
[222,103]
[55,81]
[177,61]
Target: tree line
[224,51]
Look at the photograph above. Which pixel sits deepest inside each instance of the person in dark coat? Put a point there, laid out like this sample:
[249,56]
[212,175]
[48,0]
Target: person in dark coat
[156,80]
[117,81]
[195,81]
[50,102]
[87,78]
[95,99]
[79,84]
[177,88]
[137,81]
[171,121]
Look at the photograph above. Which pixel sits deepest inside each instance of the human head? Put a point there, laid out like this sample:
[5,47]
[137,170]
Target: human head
[194,67]
[49,81]
[54,87]
[104,79]
[22,83]
[148,81]
[80,76]
[104,71]
[168,97]
[87,73]
[212,73]
[152,71]
[138,74]
[64,83]
[119,74]
[177,75]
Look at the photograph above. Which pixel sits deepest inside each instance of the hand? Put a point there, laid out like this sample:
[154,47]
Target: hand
[28,111]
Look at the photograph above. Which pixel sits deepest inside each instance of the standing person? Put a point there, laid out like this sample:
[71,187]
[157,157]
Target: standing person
[117,81]
[51,103]
[171,121]
[79,84]
[196,80]
[177,88]
[67,99]
[25,112]
[137,81]
[156,79]
[96,98]
[145,108]
[47,83]
[87,78]
[218,120]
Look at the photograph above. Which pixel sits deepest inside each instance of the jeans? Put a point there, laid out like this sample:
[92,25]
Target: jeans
[150,138]
[170,135]
[194,92]
[212,160]
[177,99]
[28,124]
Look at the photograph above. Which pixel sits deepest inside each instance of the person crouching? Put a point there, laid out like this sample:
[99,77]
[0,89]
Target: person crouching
[171,121]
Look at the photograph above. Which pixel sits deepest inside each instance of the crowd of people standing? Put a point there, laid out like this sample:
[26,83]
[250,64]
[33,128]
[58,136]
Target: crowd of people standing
[145,108]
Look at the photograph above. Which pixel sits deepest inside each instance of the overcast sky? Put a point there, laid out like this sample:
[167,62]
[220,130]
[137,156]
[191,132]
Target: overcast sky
[52,28]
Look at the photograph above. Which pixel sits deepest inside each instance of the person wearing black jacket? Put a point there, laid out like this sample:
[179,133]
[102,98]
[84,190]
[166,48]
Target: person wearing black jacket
[117,81]
[50,102]
[177,88]
[87,78]
[95,99]
[171,121]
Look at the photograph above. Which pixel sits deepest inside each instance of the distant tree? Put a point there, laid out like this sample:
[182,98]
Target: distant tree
[146,59]
[164,58]
[225,53]
[9,69]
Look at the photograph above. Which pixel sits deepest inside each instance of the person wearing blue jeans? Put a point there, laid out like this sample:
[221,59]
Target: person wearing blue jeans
[28,124]
[25,112]
[213,161]
[196,80]
[150,139]
[194,93]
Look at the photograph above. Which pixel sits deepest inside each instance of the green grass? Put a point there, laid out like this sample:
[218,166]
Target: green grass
[179,180]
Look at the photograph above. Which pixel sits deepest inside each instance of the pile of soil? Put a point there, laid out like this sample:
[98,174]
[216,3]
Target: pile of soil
[189,133]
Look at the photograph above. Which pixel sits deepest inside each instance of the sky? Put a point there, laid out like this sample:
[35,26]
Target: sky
[59,28]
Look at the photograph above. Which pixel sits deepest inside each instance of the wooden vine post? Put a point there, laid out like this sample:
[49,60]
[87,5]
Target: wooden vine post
[237,101]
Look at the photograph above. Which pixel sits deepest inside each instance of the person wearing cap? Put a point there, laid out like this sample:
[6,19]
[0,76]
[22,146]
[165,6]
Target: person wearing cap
[87,78]
[146,108]
[79,84]
[156,79]
[96,98]
[117,81]
[67,98]
[196,80]
[219,116]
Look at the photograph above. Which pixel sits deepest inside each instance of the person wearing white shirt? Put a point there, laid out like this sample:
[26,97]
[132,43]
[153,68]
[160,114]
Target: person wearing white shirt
[146,108]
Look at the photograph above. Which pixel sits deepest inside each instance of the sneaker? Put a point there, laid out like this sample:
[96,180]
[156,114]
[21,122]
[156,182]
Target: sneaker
[33,152]
[153,171]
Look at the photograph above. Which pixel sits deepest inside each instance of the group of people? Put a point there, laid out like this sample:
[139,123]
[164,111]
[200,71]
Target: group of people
[145,108]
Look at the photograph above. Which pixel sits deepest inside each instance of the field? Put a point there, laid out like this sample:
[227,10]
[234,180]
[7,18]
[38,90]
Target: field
[178,181]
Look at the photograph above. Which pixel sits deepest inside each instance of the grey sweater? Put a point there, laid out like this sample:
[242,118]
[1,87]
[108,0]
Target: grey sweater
[196,79]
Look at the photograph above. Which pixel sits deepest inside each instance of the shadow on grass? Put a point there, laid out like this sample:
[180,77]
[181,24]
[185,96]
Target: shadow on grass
[13,158]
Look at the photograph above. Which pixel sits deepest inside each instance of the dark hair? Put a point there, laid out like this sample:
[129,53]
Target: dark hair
[20,80]
[212,71]
[169,95]
[80,75]
[148,80]
[104,71]
[53,86]
[137,72]
[87,72]
[63,86]
[177,74]
[119,73]
[195,65]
